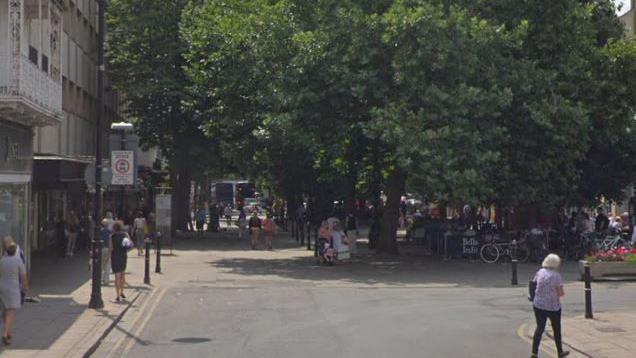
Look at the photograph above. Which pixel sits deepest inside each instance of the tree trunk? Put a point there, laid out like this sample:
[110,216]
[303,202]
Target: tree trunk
[395,186]
[181,181]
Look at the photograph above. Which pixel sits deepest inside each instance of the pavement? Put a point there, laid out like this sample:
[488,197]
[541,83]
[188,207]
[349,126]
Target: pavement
[61,325]
[216,297]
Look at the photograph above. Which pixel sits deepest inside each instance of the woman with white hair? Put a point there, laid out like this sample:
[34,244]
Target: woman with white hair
[547,303]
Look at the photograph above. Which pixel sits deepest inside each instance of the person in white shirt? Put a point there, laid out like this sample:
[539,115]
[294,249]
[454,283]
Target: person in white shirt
[139,231]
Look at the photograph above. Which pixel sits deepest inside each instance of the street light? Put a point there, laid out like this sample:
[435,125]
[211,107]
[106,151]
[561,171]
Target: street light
[121,128]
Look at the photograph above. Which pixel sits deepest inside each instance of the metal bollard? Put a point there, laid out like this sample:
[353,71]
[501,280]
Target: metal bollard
[158,253]
[588,292]
[147,264]
[515,262]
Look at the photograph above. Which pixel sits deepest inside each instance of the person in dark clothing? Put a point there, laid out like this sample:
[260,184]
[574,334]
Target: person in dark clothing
[119,257]
[254,226]
[602,222]
[60,236]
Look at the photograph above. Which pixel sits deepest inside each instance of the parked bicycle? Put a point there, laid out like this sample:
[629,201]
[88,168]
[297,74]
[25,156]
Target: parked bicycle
[613,242]
[497,249]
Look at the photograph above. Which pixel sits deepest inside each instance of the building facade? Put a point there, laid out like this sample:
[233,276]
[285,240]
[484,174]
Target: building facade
[48,86]
[62,152]
[30,99]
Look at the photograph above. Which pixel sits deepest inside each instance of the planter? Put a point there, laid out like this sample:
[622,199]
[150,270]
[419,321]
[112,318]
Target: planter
[602,269]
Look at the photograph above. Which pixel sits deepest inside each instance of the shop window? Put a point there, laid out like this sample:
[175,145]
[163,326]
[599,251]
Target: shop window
[33,55]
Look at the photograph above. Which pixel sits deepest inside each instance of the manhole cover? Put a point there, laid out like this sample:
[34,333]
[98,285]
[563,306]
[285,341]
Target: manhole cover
[193,340]
[610,329]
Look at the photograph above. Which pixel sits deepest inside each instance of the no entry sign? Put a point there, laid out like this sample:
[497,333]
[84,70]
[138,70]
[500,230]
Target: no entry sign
[123,166]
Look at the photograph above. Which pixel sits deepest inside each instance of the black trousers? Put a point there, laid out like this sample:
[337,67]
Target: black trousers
[542,317]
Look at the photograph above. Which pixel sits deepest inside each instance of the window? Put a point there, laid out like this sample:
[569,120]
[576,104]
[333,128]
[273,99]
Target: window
[45,64]
[33,55]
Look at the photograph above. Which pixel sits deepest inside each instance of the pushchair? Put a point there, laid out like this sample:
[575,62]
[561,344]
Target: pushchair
[326,252]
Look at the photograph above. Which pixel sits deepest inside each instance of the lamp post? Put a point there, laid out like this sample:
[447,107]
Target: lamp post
[96,301]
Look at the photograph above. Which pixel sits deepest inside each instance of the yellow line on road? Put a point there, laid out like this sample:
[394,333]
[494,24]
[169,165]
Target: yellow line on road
[133,322]
[143,324]
[521,332]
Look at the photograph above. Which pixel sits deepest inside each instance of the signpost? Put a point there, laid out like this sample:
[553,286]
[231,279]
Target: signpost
[163,217]
[123,167]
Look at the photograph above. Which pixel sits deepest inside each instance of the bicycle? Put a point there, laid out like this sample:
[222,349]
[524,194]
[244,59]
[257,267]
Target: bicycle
[493,251]
[613,242]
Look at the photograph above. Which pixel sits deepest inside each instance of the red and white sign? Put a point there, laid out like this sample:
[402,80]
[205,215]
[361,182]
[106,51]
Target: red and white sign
[123,166]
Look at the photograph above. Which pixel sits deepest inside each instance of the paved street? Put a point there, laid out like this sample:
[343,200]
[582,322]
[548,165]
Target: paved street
[219,299]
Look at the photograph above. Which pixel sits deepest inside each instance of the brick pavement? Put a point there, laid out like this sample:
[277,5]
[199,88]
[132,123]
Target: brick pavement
[61,325]
[609,334]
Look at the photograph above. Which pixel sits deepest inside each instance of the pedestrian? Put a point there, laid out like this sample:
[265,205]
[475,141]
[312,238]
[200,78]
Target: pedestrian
[324,246]
[352,233]
[73,232]
[242,224]
[601,224]
[104,238]
[228,214]
[139,232]
[200,219]
[547,303]
[269,229]
[109,218]
[13,281]
[119,244]
[339,241]
[255,229]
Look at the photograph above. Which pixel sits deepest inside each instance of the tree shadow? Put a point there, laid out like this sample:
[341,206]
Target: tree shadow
[373,271]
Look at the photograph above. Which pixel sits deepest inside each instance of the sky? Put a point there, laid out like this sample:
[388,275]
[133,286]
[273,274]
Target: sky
[625,5]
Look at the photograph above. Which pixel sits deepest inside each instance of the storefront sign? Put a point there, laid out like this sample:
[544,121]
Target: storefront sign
[470,246]
[123,167]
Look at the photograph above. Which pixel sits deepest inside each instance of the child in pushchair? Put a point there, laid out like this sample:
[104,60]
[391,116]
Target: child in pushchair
[326,252]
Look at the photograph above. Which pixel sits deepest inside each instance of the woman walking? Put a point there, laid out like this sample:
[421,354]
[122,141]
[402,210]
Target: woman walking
[73,232]
[547,303]
[118,247]
[13,281]
[269,229]
[139,230]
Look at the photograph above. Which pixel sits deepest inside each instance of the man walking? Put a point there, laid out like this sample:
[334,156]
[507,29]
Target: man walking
[228,214]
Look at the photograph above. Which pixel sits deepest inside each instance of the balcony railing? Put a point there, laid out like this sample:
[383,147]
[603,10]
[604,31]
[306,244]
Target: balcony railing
[33,88]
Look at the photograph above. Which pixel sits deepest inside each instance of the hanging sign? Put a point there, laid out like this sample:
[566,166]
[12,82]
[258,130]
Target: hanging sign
[123,164]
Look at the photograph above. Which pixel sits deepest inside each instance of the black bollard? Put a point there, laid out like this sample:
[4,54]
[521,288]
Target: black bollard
[147,264]
[158,253]
[588,292]
[515,262]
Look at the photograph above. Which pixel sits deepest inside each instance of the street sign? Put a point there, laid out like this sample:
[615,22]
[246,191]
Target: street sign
[123,167]
[89,175]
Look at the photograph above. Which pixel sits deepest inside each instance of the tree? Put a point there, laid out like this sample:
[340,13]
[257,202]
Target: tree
[145,56]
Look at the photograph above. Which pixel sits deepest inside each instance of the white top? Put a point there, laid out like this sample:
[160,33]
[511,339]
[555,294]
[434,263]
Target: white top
[109,224]
[337,238]
[139,224]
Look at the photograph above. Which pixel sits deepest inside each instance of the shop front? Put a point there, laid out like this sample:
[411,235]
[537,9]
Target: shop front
[16,146]
[58,190]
